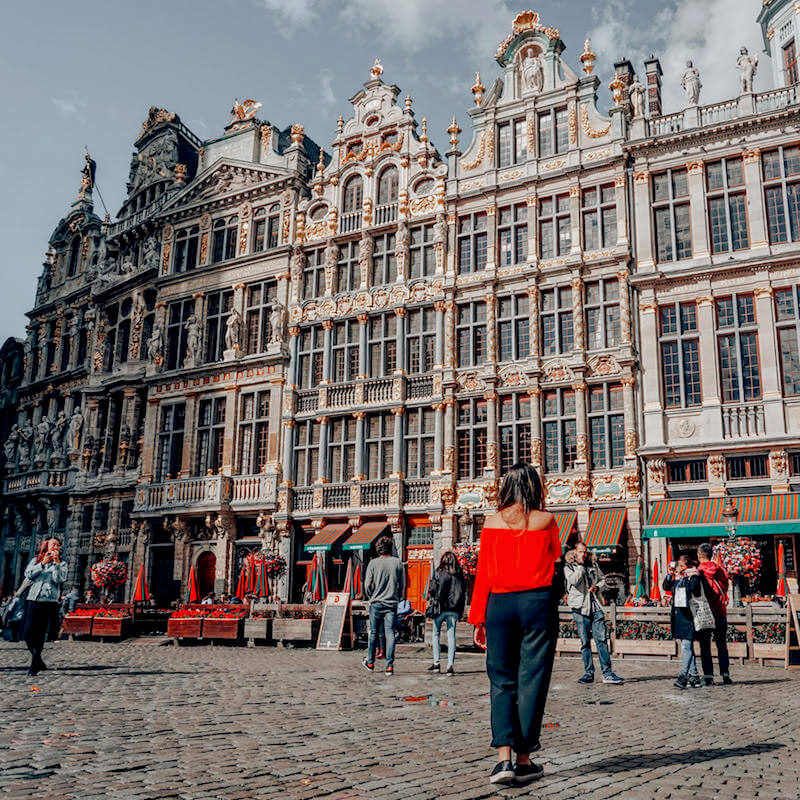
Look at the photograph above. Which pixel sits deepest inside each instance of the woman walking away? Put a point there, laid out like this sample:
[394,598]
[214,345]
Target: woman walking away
[47,574]
[684,580]
[516,597]
[445,603]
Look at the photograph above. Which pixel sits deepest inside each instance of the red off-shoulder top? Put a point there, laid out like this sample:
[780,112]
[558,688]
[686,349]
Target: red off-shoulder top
[513,561]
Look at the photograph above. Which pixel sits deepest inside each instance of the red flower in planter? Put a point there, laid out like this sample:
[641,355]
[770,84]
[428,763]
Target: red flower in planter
[189,613]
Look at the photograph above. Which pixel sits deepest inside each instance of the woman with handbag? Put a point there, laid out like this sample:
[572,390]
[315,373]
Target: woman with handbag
[516,596]
[47,574]
[684,582]
[445,604]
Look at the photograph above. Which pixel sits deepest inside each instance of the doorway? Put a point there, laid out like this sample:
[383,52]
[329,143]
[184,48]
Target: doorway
[206,572]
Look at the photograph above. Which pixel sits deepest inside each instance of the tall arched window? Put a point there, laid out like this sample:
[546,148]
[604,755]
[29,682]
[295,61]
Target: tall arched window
[387,186]
[353,194]
[74,255]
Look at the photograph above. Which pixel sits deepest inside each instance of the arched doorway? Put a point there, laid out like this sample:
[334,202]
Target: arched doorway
[206,572]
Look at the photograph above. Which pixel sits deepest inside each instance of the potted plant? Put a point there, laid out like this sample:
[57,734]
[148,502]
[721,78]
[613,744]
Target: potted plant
[109,574]
[296,624]
[186,623]
[224,623]
[769,640]
[112,623]
[741,558]
[258,625]
[78,622]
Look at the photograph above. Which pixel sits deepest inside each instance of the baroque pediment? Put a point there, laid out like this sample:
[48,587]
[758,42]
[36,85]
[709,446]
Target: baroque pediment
[224,179]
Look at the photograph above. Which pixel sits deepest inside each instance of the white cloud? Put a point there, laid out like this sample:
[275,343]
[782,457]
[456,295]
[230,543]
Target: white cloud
[709,33]
[328,96]
[291,15]
[72,105]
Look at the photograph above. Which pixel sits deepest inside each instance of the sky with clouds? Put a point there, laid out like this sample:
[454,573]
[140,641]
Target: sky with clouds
[84,73]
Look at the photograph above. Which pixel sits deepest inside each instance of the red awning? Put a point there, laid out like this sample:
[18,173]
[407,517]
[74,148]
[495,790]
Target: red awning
[604,529]
[327,536]
[365,536]
[567,522]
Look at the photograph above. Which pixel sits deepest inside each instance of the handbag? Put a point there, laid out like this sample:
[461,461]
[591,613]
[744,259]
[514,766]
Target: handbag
[23,589]
[702,614]
[433,607]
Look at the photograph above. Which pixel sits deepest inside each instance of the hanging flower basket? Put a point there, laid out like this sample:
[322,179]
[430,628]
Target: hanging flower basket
[467,555]
[109,573]
[275,566]
[741,558]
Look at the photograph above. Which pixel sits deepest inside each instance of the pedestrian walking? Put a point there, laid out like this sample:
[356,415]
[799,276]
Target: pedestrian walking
[585,582]
[384,585]
[716,584]
[444,604]
[47,574]
[516,598]
[683,580]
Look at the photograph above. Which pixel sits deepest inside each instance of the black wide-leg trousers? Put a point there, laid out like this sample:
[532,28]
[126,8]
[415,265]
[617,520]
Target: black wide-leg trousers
[39,619]
[521,630]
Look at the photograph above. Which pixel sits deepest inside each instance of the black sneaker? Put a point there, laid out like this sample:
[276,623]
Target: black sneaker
[525,773]
[587,678]
[390,670]
[726,679]
[503,772]
[367,665]
[681,682]
[434,668]
[695,682]
[708,680]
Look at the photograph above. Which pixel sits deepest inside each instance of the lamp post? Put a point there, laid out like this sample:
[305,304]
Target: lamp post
[730,518]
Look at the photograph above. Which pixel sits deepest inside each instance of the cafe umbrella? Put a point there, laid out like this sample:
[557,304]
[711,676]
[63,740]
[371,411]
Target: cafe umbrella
[141,593]
[194,594]
[782,588]
[655,589]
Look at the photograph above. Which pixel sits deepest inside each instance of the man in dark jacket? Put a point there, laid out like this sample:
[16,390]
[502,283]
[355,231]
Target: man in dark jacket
[716,583]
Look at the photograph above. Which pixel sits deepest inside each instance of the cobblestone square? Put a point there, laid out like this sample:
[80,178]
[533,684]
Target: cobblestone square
[136,721]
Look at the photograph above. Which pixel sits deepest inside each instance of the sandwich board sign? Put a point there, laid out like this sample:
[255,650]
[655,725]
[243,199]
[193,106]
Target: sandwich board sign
[335,613]
[793,631]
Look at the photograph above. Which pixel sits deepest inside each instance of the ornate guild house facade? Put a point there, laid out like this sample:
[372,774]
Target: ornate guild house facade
[298,347]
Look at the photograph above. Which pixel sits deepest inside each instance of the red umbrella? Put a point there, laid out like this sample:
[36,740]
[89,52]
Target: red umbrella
[655,589]
[240,591]
[782,588]
[348,579]
[141,593]
[261,579]
[357,582]
[194,595]
[669,553]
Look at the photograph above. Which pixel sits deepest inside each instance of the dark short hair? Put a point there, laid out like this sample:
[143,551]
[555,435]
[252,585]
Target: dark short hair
[688,559]
[384,545]
[521,484]
[705,549]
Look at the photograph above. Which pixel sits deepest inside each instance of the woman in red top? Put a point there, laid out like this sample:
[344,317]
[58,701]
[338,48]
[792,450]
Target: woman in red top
[514,597]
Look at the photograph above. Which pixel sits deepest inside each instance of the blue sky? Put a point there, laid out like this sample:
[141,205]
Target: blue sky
[85,73]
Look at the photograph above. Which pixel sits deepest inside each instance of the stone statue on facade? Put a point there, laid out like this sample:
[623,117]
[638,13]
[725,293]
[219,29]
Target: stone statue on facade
[155,346]
[233,330]
[366,247]
[57,434]
[41,441]
[747,65]
[74,430]
[402,235]
[277,320]
[533,73]
[90,317]
[331,259]
[297,265]
[440,229]
[242,111]
[636,93]
[11,444]
[87,176]
[150,252]
[127,264]
[691,83]
[192,328]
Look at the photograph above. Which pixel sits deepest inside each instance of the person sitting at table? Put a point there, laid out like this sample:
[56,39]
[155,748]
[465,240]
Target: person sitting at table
[209,600]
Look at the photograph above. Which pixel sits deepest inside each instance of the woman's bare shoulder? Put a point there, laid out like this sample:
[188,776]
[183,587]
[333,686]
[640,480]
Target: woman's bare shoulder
[541,519]
[536,520]
[494,521]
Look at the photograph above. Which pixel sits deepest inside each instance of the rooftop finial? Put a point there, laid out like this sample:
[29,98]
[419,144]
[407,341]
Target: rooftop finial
[478,89]
[423,137]
[408,102]
[321,163]
[587,57]
[340,124]
[377,69]
[454,130]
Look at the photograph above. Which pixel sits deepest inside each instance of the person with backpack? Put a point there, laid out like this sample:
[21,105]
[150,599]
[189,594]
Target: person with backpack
[716,584]
[445,604]
[684,582]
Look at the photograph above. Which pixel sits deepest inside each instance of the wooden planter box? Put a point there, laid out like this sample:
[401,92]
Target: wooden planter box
[572,644]
[76,625]
[769,651]
[735,650]
[112,627]
[188,628]
[644,647]
[257,628]
[218,628]
[294,630]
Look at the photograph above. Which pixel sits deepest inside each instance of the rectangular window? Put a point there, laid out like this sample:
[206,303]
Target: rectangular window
[727,205]
[420,340]
[314,275]
[258,310]
[187,249]
[265,228]
[306,452]
[689,471]
[309,357]
[559,429]
[178,314]
[471,433]
[514,430]
[744,467]
[169,453]
[384,261]
[210,435]
[253,433]
[513,327]
[419,439]
[680,355]
[599,214]
[602,314]
[790,63]
[781,170]
[606,426]
[787,317]
[737,341]
[553,132]
[341,449]
[512,235]
[555,226]
[348,269]
[471,334]
[557,321]
[512,143]
[218,309]
[345,350]
[379,445]
[382,345]
[472,243]
[422,256]
[671,215]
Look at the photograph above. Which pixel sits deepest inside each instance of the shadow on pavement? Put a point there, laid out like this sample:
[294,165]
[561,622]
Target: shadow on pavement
[618,763]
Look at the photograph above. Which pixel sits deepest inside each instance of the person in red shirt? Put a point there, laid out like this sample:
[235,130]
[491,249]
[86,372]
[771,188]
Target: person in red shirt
[717,593]
[515,598]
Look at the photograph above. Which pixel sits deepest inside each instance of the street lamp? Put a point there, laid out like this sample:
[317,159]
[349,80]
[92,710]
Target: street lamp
[730,517]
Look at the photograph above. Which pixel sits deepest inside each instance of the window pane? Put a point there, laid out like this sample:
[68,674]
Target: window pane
[790,360]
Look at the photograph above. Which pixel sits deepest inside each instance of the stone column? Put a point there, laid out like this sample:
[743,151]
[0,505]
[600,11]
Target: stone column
[621,209]
[536,428]
[756,214]
[577,315]
[288,452]
[363,361]
[697,205]
[450,255]
[629,420]
[294,360]
[450,335]
[151,422]
[491,235]
[402,251]
[711,429]
[770,367]
[400,368]
[625,322]
[575,218]
[59,327]
[360,465]
[439,307]
[644,233]
[533,321]
[327,325]
[92,427]
[438,443]
[491,328]
[131,410]
[582,460]
[533,226]
[323,449]
[449,435]
[397,451]
[492,468]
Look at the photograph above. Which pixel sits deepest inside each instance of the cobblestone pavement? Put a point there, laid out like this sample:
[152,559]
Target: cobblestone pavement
[133,720]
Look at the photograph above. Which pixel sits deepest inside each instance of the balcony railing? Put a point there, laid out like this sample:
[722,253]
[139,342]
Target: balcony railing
[84,540]
[303,499]
[207,492]
[336,495]
[307,400]
[38,479]
[419,387]
[124,538]
[775,99]
[375,494]
[417,493]
[745,420]
[385,214]
[341,396]
[719,112]
[134,219]
[378,391]
[350,222]
[669,123]
[257,490]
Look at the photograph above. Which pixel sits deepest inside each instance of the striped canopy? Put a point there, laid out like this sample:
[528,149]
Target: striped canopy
[604,529]
[758,514]
[567,521]
[365,536]
[325,537]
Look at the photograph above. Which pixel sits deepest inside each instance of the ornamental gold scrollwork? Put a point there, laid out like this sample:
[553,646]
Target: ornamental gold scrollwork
[592,133]
[475,163]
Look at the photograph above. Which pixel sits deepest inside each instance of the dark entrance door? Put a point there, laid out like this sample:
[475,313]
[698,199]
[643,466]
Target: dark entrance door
[206,572]
[162,564]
